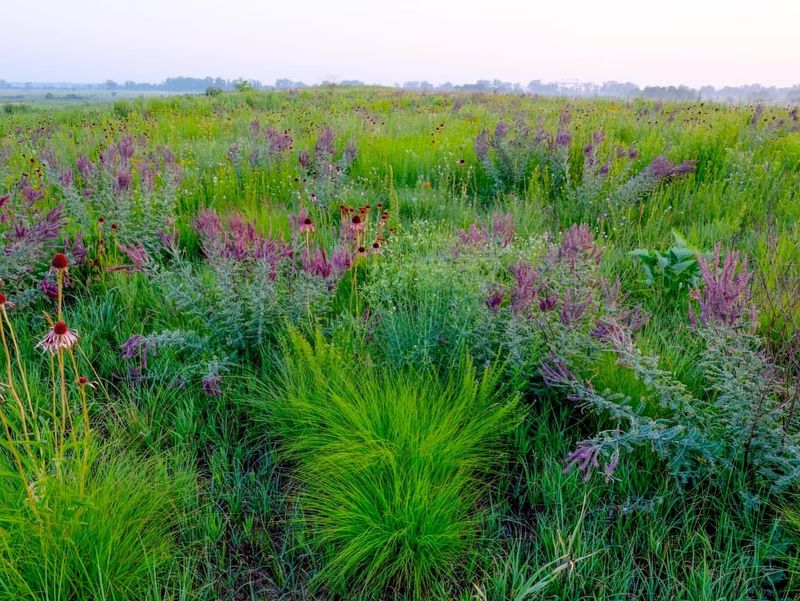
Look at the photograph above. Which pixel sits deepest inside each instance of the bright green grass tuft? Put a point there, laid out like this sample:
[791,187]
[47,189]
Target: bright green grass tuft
[393,465]
[116,539]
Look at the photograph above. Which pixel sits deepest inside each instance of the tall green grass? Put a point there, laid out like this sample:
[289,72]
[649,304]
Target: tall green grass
[115,537]
[394,465]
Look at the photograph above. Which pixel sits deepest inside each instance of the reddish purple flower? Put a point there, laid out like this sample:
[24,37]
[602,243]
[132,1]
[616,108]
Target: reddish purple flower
[137,346]
[137,255]
[573,310]
[341,259]
[76,249]
[578,243]
[317,264]
[85,166]
[555,373]
[661,168]
[525,289]
[724,296]
[49,287]
[503,227]
[548,302]
[494,299]
[208,223]
[212,384]
[123,180]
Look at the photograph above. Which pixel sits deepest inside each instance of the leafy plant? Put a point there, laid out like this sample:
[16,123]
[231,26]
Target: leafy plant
[674,271]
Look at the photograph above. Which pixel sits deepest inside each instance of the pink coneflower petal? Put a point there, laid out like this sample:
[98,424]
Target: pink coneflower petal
[60,337]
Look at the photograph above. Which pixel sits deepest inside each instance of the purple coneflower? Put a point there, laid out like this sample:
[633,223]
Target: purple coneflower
[307,226]
[357,226]
[59,338]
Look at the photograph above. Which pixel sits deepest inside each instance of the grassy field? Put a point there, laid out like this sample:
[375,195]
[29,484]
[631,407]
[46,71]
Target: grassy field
[367,344]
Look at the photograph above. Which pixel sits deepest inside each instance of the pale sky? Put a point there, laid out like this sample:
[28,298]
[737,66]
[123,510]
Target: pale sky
[694,42]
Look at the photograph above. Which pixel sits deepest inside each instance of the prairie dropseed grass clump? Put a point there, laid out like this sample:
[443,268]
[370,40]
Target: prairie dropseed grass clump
[392,479]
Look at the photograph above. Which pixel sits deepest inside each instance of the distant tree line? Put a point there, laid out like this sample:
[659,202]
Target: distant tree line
[616,89]
[612,89]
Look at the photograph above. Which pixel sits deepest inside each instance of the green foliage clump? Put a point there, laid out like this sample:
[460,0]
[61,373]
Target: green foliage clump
[113,536]
[393,464]
[674,271]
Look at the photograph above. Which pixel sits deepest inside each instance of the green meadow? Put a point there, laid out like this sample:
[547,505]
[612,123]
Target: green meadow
[359,343]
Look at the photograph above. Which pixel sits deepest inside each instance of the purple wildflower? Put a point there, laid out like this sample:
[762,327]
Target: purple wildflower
[317,264]
[563,138]
[31,194]
[48,286]
[578,243]
[473,236]
[323,149]
[169,238]
[208,223]
[724,297]
[125,147]
[555,373]
[138,256]
[613,333]
[137,347]
[482,145]
[503,227]
[123,180]
[573,310]
[661,168]
[350,152]
[585,458]
[66,178]
[525,290]
[341,260]
[279,142]
[494,299]
[548,302]
[85,166]
[304,158]
[76,249]
[212,383]
[234,153]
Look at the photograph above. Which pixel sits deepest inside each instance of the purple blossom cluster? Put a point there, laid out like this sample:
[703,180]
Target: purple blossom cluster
[661,168]
[266,145]
[578,244]
[238,239]
[499,230]
[723,297]
[586,459]
[324,174]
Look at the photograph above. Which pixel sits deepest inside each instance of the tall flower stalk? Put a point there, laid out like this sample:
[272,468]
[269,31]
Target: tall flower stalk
[21,420]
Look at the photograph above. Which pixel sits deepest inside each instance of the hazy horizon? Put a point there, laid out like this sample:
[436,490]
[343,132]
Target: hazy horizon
[689,42]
